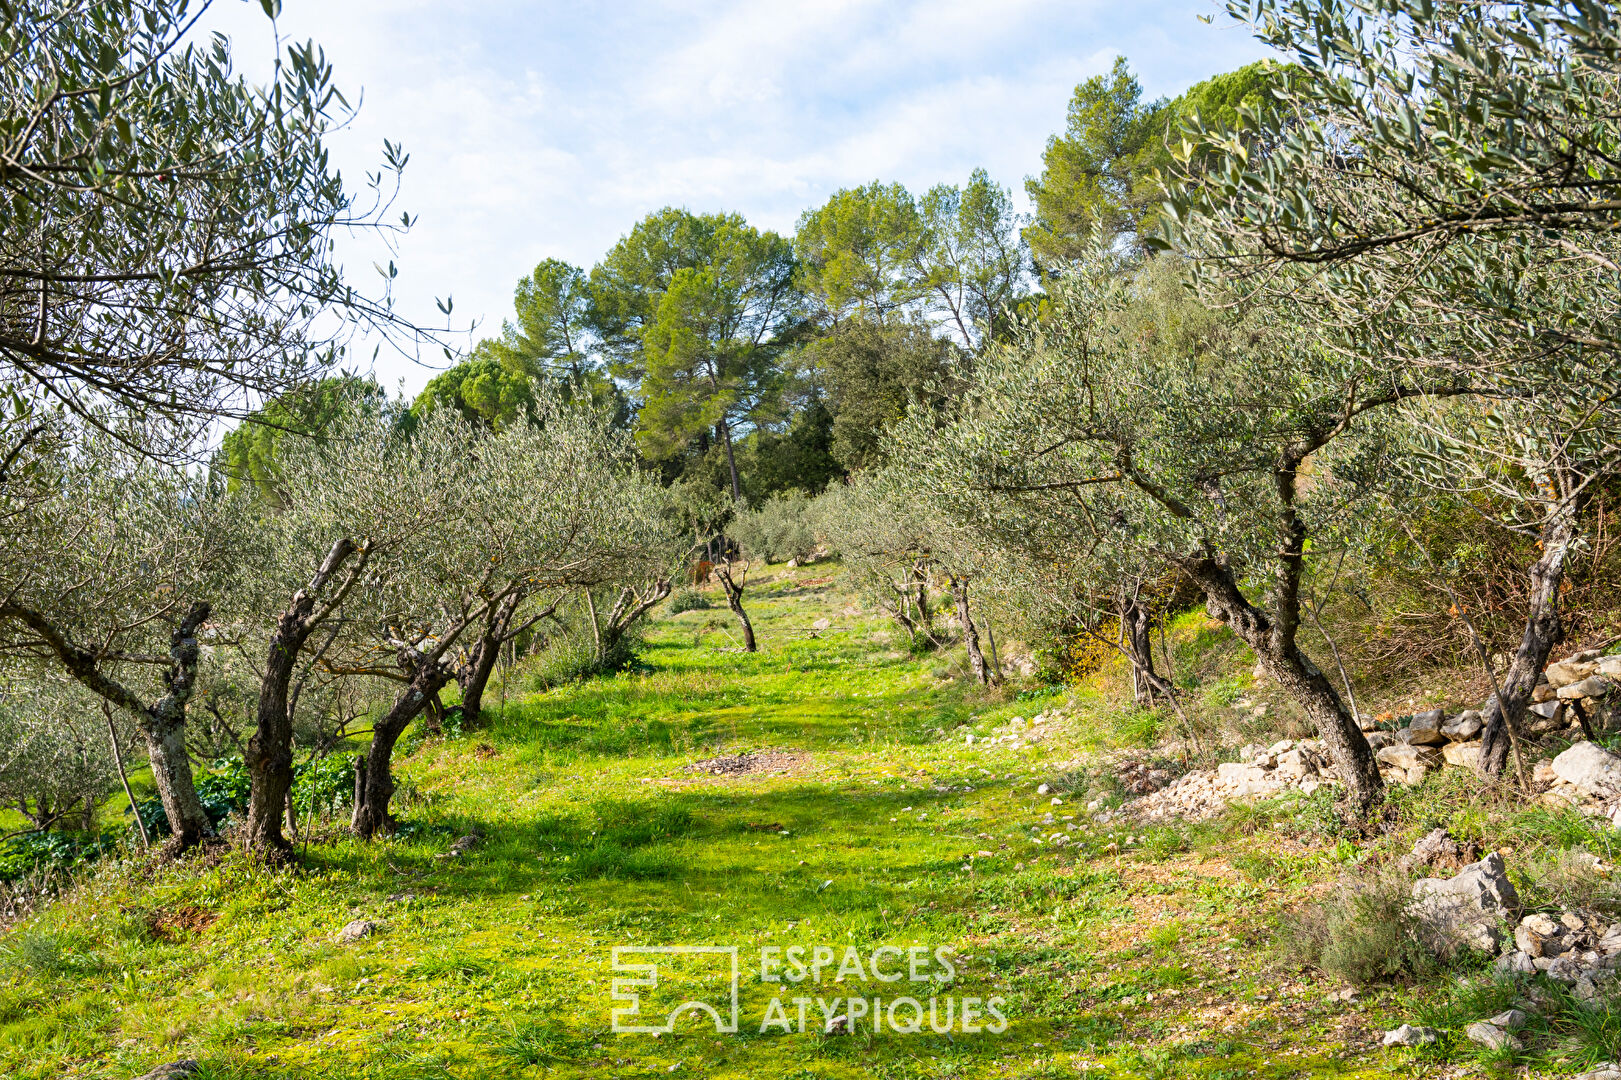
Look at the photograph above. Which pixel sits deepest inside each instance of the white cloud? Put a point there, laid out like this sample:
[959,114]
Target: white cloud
[547,129]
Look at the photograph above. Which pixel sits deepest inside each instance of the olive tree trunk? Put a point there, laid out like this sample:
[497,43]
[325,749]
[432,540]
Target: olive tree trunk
[1543,630]
[734,600]
[970,634]
[171,772]
[162,722]
[374,783]
[634,602]
[473,674]
[1138,623]
[269,753]
[1273,640]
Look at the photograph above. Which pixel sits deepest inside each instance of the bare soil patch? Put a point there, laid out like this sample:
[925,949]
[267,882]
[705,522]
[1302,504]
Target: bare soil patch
[775,762]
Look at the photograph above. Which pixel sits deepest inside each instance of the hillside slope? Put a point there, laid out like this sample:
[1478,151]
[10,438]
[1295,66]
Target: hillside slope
[824,792]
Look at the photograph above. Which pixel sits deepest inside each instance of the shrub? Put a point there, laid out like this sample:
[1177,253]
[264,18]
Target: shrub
[688,600]
[324,785]
[572,656]
[27,853]
[777,530]
[1362,934]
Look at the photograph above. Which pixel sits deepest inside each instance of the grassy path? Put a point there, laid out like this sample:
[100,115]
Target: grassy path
[872,823]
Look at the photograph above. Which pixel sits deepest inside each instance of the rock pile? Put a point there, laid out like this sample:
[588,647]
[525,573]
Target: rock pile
[1570,691]
[1586,777]
[1261,771]
[1578,949]
[1140,778]
[1431,741]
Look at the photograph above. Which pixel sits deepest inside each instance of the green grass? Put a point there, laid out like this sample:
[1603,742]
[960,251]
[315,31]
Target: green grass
[1145,958]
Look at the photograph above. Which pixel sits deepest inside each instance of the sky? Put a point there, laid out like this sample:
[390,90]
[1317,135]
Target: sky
[546,130]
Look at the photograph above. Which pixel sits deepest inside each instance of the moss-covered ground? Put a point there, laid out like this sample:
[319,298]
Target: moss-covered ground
[1125,952]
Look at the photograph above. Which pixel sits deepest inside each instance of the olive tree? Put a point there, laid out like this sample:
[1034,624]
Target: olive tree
[165,226]
[1446,198]
[59,756]
[116,575]
[427,541]
[1146,423]
[897,542]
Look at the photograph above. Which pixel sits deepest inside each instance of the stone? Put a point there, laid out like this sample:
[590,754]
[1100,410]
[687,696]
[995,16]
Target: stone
[1565,969]
[1407,757]
[1408,1035]
[1562,796]
[1569,671]
[1592,686]
[1491,1036]
[1468,907]
[1606,1070]
[793,564]
[1281,747]
[1591,768]
[1516,963]
[1463,727]
[1416,775]
[1462,755]
[1043,790]
[1540,935]
[1425,730]
[1547,710]
[1296,764]
[173,1070]
[1378,740]
[1436,848]
[464,844]
[1609,667]
[360,928]
[1238,774]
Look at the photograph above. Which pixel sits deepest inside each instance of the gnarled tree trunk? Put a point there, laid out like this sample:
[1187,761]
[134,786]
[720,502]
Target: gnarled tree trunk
[473,673]
[163,722]
[374,786]
[171,771]
[269,753]
[1138,623]
[734,600]
[1543,630]
[970,634]
[633,603]
[1274,643]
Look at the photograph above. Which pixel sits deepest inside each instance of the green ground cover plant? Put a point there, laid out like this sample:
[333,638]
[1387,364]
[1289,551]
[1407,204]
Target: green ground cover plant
[602,822]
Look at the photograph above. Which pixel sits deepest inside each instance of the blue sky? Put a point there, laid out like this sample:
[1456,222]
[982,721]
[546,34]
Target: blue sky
[547,129]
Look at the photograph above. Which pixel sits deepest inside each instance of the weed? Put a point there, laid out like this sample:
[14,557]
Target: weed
[689,600]
[1361,934]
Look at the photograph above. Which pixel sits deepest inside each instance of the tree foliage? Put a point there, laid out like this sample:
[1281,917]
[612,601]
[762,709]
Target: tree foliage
[165,226]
